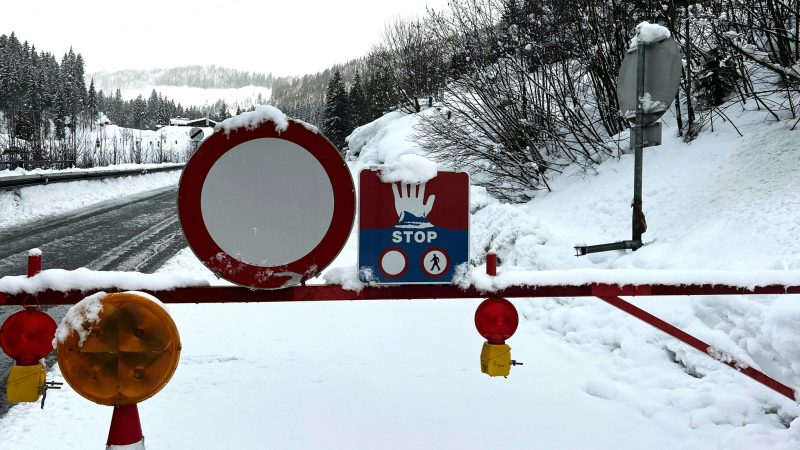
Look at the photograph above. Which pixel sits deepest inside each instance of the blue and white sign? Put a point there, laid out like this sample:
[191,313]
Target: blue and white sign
[413,233]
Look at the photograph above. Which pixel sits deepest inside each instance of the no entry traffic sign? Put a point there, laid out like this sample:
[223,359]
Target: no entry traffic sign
[196,134]
[266,207]
[413,233]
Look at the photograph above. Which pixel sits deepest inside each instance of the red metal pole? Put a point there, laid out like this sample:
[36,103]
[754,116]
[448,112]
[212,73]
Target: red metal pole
[125,429]
[491,264]
[34,262]
[709,350]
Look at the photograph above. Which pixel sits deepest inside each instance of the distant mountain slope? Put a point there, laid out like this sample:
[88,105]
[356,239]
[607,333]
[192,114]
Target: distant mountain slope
[243,97]
[206,77]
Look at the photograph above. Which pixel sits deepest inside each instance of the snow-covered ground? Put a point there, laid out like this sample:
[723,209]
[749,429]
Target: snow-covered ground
[405,375]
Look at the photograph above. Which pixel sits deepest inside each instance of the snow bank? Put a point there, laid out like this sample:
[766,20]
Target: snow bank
[84,279]
[781,331]
[36,202]
[384,140]
[647,33]
[252,119]
[79,318]
[408,168]
[114,167]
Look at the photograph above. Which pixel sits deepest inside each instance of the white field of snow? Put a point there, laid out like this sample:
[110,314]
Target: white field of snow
[193,96]
[405,374]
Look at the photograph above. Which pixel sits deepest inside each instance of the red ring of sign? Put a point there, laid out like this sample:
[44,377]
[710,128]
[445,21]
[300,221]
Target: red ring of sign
[405,258]
[425,269]
[239,272]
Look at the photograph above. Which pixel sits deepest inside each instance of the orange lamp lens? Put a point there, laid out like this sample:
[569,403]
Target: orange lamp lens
[128,356]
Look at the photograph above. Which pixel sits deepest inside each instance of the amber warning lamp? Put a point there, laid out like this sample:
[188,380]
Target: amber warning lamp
[123,356]
[27,337]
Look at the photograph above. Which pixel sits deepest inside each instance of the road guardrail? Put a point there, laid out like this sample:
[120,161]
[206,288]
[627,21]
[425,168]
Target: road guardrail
[47,178]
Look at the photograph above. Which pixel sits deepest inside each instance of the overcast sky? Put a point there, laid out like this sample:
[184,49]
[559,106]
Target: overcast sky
[289,37]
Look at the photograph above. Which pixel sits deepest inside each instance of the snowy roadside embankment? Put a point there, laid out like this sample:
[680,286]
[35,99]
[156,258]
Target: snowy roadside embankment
[113,168]
[37,202]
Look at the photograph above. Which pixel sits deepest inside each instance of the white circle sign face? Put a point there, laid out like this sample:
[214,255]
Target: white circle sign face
[435,262]
[393,263]
[267,196]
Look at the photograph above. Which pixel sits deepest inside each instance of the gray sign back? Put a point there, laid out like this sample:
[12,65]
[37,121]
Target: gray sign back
[662,77]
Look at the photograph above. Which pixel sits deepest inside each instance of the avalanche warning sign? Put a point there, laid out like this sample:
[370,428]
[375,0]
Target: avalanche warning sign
[413,233]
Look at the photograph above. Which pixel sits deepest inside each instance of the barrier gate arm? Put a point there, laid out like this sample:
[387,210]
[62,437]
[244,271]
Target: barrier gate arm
[237,294]
[610,293]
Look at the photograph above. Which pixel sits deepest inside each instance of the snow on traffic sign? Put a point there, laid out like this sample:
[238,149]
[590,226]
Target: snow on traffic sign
[413,233]
[266,206]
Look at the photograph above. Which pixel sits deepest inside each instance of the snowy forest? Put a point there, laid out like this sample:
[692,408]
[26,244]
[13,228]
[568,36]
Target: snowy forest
[48,112]
[519,89]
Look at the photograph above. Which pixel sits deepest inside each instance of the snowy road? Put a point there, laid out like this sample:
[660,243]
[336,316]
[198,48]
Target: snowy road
[136,233]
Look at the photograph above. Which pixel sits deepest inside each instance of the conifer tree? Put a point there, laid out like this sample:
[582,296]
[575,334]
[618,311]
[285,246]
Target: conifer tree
[92,104]
[359,109]
[336,115]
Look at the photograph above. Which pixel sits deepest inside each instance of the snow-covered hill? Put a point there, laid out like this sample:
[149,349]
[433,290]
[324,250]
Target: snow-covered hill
[245,97]
[405,374]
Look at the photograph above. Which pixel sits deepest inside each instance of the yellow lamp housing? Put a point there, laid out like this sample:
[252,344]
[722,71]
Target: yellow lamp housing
[25,383]
[496,359]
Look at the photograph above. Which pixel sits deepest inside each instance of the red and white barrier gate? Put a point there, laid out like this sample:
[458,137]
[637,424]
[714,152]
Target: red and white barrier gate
[610,293]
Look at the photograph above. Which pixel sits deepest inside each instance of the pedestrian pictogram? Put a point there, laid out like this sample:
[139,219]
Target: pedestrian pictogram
[435,262]
[413,233]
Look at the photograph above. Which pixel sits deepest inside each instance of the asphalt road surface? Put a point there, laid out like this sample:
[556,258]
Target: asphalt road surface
[137,233]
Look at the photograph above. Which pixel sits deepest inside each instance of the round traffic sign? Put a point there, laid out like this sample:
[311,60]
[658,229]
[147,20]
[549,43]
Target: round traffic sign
[266,207]
[196,134]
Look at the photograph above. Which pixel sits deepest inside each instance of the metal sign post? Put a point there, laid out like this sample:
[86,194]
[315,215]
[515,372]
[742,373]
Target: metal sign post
[646,86]
[639,225]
